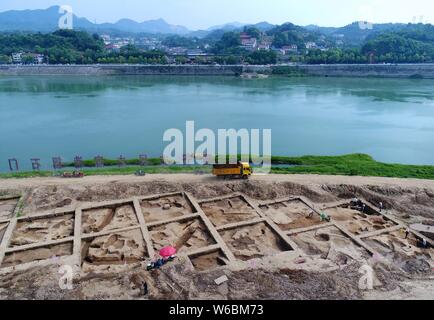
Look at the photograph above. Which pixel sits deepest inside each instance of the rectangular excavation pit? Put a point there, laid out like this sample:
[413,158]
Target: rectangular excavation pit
[3,227]
[7,208]
[228,211]
[116,249]
[166,208]
[404,252]
[357,221]
[30,231]
[329,243]
[208,261]
[396,243]
[108,218]
[254,241]
[54,252]
[185,236]
[292,214]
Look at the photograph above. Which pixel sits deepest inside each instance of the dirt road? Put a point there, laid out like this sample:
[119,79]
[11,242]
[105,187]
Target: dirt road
[176,178]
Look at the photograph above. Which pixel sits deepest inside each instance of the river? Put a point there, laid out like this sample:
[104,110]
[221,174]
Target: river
[42,117]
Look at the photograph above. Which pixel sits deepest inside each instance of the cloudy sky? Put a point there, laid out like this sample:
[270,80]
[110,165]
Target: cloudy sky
[200,14]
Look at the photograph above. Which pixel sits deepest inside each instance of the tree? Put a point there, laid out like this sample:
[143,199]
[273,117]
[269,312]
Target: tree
[27,59]
[253,32]
[4,59]
[229,44]
[262,57]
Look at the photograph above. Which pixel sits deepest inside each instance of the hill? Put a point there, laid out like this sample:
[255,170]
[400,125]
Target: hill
[47,21]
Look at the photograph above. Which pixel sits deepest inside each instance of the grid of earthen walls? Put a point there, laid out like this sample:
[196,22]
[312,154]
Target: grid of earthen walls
[357,239]
[76,239]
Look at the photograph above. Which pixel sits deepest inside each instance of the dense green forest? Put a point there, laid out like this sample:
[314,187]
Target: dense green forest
[412,43]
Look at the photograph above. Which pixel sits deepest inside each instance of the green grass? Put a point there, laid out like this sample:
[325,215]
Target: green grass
[114,171]
[348,165]
[20,207]
[351,165]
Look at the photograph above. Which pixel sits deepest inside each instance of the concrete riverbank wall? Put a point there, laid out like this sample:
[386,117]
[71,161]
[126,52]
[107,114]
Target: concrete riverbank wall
[383,71]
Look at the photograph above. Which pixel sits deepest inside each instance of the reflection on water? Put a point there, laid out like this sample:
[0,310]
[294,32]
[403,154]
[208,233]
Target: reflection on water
[391,119]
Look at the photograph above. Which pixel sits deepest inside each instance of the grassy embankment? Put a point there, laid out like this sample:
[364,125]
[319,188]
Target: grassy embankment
[349,165]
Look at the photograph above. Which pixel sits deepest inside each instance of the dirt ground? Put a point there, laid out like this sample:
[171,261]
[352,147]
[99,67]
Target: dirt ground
[228,211]
[326,266]
[41,230]
[291,215]
[255,241]
[182,235]
[7,207]
[330,244]
[166,208]
[356,222]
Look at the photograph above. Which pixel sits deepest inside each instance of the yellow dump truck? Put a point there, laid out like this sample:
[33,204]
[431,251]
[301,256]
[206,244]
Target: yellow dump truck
[240,170]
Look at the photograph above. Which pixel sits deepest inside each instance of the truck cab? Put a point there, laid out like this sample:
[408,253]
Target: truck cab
[247,170]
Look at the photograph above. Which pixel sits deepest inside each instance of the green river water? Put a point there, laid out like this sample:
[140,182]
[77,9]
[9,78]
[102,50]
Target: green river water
[42,117]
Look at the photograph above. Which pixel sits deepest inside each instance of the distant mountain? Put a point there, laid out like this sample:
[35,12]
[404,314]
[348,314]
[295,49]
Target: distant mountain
[47,21]
[36,20]
[323,30]
[263,26]
[355,33]
[151,26]
[216,32]
[228,26]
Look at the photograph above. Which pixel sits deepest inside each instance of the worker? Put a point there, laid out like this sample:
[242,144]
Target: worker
[324,217]
[363,208]
[381,206]
[310,216]
[145,289]
[159,262]
[407,233]
[422,243]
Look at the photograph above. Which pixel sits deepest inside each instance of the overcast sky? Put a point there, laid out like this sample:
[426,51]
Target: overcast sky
[199,14]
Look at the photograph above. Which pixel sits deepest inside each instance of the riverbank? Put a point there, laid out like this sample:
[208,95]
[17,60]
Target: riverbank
[418,71]
[347,165]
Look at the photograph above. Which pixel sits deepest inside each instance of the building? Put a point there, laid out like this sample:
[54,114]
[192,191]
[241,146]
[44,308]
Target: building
[248,42]
[265,43]
[293,48]
[106,38]
[196,53]
[311,45]
[39,58]
[28,58]
[177,51]
[113,47]
[17,57]
[278,50]
[262,46]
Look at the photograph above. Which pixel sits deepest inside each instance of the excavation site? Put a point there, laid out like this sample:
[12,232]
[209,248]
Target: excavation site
[271,237]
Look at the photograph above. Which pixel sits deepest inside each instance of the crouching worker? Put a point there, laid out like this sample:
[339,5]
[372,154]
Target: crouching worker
[157,264]
[166,255]
[325,217]
[423,244]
